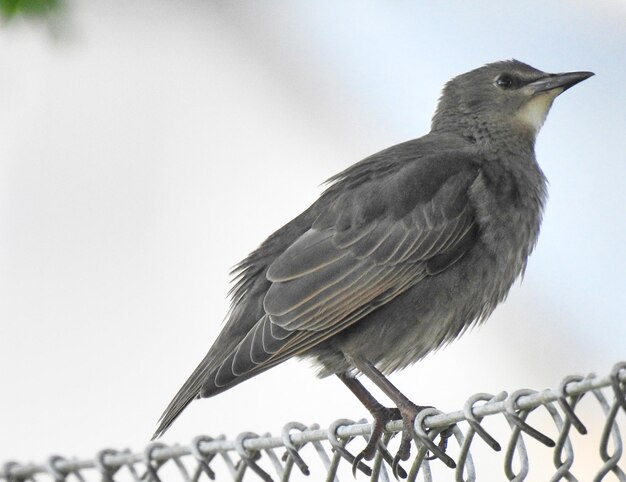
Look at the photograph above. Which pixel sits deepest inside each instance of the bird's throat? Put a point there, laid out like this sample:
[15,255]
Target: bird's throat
[533,114]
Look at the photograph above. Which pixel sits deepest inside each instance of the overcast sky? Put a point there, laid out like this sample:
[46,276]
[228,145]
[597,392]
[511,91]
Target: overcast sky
[147,146]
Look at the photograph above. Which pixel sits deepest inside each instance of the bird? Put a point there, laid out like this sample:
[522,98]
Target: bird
[400,254]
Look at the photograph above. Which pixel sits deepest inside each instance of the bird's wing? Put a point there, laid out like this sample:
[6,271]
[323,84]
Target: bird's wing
[377,230]
[364,251]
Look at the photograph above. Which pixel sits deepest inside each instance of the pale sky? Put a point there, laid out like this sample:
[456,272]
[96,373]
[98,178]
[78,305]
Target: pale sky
[148,146]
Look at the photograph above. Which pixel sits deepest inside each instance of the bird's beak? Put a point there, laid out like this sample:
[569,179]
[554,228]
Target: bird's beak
[558,81]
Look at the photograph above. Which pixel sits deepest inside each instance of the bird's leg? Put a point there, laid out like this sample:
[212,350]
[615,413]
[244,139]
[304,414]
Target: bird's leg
[380,413]
[407,409]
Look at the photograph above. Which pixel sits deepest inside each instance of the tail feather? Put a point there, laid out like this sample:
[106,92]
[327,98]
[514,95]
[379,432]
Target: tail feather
[202,383]
[189,391]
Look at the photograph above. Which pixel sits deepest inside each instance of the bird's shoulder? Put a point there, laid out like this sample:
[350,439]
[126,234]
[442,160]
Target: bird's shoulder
[397,180]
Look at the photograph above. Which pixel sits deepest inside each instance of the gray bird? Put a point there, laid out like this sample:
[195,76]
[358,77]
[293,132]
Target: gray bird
[401,254]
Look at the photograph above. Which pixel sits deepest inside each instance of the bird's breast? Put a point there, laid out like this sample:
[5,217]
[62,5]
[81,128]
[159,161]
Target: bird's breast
[508,210]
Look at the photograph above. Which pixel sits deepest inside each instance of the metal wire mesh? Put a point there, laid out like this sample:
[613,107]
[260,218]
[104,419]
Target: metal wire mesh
[323,454]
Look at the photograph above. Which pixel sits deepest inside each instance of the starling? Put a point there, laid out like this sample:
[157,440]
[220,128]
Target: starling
[401,254]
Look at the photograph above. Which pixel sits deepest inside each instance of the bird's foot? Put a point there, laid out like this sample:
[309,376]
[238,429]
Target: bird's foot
[382,416]
[409,412]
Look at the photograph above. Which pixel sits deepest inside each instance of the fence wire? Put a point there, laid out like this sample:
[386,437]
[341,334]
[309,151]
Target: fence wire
[323,454]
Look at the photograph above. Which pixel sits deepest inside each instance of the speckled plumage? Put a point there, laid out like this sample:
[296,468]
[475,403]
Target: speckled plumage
[403,252]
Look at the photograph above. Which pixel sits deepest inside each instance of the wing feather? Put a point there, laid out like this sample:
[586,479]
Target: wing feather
[308,254]
[282,297]
[327,300]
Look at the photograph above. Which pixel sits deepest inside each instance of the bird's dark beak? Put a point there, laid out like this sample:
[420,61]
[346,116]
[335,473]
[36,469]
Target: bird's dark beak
[558,81]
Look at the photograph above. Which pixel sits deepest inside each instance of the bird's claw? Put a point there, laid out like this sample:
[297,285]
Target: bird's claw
[370,449]
[410,432]
[356,462]
[403,453]
[381,418]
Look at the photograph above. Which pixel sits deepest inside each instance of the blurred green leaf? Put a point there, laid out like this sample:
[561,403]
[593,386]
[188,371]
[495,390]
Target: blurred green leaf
[31,8]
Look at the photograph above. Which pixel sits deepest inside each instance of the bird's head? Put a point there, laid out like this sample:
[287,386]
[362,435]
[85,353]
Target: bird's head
[507,94]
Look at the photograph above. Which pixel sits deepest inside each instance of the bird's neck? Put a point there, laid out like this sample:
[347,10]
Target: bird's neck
[506,150]
[496,135]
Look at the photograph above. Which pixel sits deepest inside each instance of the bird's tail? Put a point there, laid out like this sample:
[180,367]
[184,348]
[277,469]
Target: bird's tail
[190,390]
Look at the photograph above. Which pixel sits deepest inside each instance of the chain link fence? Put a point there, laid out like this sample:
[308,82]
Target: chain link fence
[540,432]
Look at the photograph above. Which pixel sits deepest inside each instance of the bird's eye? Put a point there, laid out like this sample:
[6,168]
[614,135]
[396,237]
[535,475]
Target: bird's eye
[504,81]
